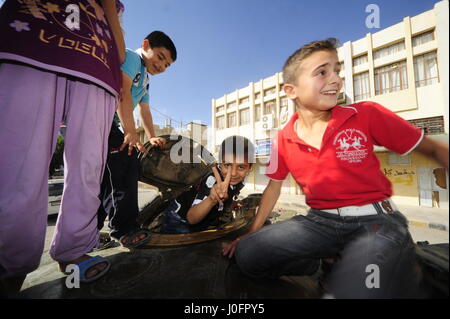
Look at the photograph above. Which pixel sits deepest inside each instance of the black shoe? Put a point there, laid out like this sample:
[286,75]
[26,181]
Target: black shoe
[105,242]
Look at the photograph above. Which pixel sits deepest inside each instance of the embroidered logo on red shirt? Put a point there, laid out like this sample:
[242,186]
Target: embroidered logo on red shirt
[350,145]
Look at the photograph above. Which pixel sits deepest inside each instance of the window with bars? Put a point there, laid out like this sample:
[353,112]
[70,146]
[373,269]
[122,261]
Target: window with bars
[359,60]
[284,110]
[231,119]
[391,78]
[423,38]
[257,95]
[361,86]
[220,108]
[396,159]
[231,105]
[269,91]
[220,122]
[283,102]
[430,125]
[397,47]
[244,116]
[243,100]
[341,95]
[426,69]
[257,112]
[270,107]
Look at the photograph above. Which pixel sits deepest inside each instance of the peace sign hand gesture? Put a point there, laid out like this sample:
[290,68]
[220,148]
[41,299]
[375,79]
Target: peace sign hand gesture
[219,191]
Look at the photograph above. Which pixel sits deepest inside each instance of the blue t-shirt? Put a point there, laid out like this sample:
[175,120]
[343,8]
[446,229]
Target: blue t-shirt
[134,67]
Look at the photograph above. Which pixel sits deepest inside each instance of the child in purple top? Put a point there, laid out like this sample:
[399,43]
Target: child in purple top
[59,62]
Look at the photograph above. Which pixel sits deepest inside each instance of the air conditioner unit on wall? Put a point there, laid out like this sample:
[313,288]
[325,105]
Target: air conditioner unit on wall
[267,122]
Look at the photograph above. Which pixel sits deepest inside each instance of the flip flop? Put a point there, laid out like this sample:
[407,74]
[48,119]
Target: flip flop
[89,263]
[85,265]
[133,234]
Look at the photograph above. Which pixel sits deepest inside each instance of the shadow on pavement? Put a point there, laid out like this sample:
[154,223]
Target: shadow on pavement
[194,271]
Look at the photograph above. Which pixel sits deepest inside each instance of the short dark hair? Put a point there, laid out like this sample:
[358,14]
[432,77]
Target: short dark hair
[158,39]
[238,146]
[292,64]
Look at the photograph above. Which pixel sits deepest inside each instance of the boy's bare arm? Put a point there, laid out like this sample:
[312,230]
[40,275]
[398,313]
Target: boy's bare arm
[125,108]
[147,122]
[110,9]
[268,201]
[198,212]
[434,149]
[125,113]
[147,119]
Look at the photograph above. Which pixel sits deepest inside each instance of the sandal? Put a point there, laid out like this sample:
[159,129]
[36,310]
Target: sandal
[87,264]
[105,242]
[127,240]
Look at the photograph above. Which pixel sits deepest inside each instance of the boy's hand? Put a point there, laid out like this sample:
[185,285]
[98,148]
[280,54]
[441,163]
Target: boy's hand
[219,191]
[132,140]
[158,141]
[228,251]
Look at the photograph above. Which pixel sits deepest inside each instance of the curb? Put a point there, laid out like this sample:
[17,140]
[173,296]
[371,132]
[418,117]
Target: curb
[436,226]
[411,222]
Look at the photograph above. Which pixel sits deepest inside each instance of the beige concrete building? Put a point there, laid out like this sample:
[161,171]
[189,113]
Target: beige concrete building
[403,67]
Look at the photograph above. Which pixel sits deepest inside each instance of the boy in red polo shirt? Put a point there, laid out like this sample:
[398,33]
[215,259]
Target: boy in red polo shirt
[328,149]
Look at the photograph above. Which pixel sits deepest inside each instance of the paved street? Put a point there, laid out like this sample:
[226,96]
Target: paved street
[419,217]
[47,275]
[433,236]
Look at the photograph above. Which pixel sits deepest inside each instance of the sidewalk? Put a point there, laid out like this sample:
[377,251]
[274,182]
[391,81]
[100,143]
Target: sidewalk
[288,205]
[436,218]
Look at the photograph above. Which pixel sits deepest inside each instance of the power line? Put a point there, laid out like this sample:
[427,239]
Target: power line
[171,119]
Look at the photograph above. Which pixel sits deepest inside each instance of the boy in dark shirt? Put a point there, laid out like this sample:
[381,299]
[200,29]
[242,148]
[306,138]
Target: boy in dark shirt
[202,205]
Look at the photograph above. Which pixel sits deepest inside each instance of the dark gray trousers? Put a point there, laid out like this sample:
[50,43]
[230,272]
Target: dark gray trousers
[376,253]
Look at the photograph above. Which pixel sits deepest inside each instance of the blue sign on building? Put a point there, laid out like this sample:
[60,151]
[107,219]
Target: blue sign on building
[263,147]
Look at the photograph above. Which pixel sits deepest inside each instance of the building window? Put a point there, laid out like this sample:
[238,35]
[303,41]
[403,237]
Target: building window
[396,159]
[359,60]
[342,65]
[341,95]
[257,112]
[231,119]
[244,116]
[426,69]
[243,100]
[231,105]
[284,110]
[397,47]
[391,78]
[269,91]
[220,122]
[423,38]
[270,107]
[220,108]
[257,95]
[430,125]
[284,102]
[361,86]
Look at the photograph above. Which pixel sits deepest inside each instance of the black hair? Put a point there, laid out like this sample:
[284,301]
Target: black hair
[237,145]
[158,39]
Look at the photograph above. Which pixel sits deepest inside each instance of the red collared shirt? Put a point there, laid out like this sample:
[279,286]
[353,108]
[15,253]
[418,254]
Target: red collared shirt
[345,171]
